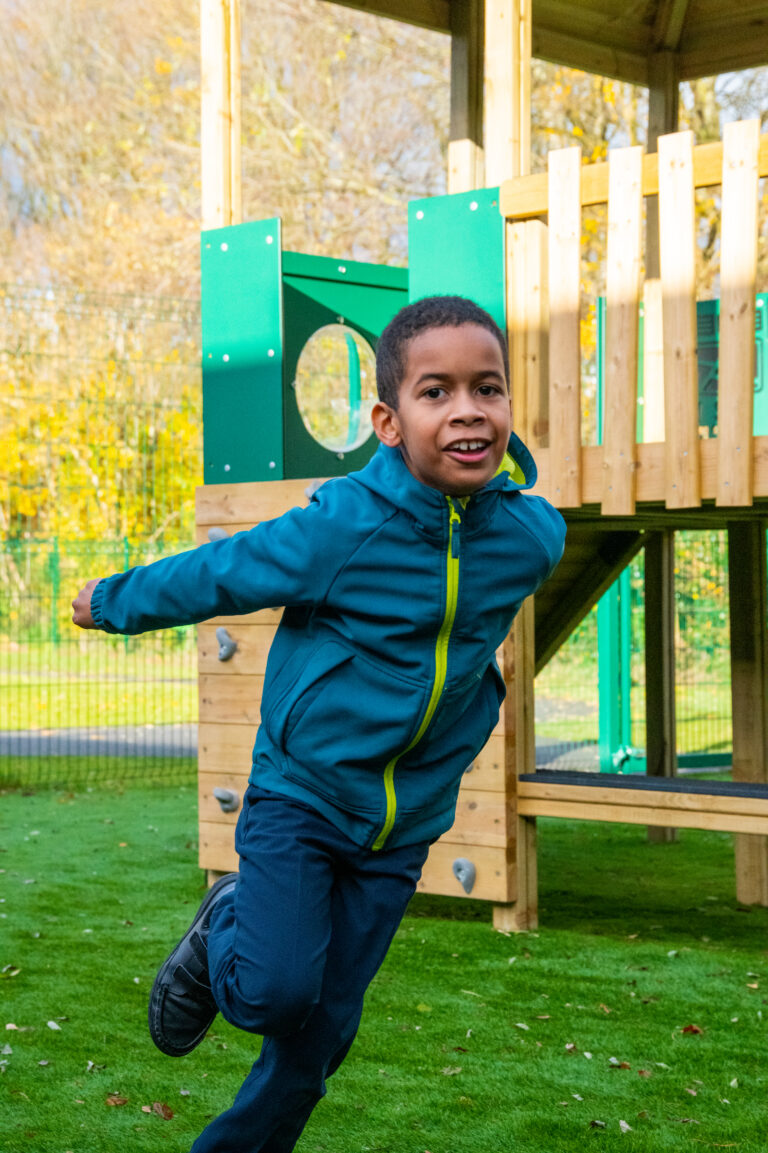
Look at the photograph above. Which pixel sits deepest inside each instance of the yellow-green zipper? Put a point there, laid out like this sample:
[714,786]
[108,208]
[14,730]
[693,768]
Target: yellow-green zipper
[441,668]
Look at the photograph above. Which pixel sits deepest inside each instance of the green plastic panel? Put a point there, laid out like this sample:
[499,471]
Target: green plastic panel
[318,291]
[708,336]
[242,353]
[456,247]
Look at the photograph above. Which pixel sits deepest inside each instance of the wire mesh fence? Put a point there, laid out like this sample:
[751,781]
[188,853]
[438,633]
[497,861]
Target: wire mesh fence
[100,452]
[568,690]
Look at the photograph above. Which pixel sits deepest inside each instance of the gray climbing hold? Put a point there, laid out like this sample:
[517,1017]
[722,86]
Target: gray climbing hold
[227,646]
[217,533]
[464,872]
[228,799]
[312,488]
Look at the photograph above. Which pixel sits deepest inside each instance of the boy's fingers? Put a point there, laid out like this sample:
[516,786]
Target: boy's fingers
[81,605]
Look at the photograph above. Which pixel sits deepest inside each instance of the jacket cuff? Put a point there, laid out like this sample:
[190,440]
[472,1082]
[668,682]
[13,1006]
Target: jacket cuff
[97,608]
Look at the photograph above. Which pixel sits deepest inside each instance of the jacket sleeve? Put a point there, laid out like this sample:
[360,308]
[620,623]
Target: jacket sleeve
[291,560]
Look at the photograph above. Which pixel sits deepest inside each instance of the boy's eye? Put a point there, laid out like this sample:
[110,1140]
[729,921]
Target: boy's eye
[488,389]
[434,392]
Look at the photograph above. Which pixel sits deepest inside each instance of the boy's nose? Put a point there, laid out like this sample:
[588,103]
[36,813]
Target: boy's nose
[466,412]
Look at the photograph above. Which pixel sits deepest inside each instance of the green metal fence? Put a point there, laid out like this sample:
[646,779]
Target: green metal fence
[100,452]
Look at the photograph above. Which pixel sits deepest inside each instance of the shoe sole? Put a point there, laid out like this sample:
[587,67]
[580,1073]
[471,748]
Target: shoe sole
[165,972]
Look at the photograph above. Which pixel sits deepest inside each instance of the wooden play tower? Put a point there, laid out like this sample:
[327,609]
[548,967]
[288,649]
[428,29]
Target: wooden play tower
[618,497]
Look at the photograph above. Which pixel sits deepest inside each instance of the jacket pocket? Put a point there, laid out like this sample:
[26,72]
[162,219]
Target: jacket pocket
[467,717]
[341,723]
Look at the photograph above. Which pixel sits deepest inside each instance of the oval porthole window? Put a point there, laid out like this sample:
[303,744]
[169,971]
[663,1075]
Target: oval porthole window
[336,387]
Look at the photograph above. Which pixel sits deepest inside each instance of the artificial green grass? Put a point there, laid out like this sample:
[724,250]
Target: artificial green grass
[471,1042]
[39,771]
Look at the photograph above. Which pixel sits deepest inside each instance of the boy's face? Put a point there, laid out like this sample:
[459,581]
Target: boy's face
[452,422]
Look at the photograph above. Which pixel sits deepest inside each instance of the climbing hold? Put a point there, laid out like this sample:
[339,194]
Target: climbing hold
[217,533]
[464,872]
[228,799]
[312,488]
[227,646]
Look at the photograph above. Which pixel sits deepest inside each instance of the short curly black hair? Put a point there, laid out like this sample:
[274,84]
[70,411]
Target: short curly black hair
[430,312]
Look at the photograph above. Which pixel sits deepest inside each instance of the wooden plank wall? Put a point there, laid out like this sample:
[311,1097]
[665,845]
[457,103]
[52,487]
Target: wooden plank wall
[230,697]
[675,465]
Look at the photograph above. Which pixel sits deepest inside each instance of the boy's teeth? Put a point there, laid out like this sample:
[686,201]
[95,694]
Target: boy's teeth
[468,445]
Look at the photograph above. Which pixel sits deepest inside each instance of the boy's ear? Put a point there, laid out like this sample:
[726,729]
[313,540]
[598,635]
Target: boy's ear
[386,424]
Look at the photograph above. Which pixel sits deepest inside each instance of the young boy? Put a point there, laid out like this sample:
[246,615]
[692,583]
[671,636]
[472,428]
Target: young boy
[399,582]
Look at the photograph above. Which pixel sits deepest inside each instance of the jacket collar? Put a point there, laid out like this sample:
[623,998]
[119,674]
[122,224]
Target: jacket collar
[388,475]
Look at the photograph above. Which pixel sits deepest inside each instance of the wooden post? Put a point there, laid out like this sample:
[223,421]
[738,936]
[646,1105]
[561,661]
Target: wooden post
[520,750]
[660,725]
[663,114]
[625,208]
[507,89]
[653,364]
[564,327]
[528,329]
[465,149]
[748,598]
[678,286]
[738,284]
[220,153]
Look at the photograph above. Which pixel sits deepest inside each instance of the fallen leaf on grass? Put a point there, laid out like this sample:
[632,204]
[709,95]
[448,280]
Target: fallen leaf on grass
[521,1025]
[692,1029]
[597,1124]
[693,1092]
[625,1128]
[451,1070]
[422,1008]
[9,971]
[116,1099]
[644,1073]
[605,1008]
[160,1108]
[54,1026]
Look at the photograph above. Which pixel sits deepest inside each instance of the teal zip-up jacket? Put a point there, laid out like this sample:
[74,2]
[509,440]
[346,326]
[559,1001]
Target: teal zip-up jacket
[381,685]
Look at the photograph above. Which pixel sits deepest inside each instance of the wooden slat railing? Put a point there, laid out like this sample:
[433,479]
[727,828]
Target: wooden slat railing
[738,281]
[677,245]
[625,214]
[569,471]
[564,325]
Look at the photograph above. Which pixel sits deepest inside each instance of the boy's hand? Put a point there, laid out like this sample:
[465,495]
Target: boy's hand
[82,606]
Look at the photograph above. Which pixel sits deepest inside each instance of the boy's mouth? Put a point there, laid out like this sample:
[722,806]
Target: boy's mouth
[469,449]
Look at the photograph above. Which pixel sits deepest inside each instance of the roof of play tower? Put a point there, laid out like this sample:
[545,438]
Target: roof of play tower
[617,37]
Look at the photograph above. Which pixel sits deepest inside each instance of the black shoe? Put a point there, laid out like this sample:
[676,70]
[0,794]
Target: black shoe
[181,1005]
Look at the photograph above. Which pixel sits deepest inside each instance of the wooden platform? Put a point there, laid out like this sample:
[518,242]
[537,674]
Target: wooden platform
[729,807]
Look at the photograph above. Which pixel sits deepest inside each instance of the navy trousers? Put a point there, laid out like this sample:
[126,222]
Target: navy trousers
[291,952]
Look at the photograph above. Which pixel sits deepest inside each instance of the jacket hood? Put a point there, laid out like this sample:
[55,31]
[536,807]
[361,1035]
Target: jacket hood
[388,475]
